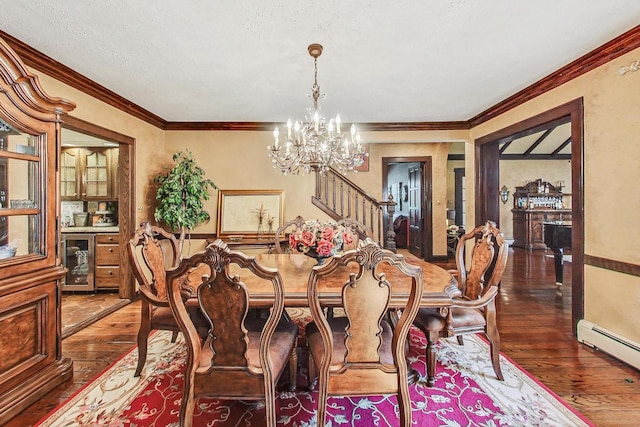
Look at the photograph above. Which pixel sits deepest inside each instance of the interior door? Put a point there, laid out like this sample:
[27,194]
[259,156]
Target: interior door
[415,208]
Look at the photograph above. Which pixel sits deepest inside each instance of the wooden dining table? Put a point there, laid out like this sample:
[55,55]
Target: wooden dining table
[440,287]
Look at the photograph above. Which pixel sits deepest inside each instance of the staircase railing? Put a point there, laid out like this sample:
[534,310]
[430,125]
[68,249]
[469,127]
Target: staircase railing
[340,198]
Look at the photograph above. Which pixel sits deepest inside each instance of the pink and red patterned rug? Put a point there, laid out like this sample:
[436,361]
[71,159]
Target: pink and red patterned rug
[465,393]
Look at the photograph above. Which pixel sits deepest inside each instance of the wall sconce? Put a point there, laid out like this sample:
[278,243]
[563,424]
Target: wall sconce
[504,194]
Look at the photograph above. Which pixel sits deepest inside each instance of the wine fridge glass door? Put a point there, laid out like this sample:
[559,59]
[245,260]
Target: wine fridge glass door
[78,258]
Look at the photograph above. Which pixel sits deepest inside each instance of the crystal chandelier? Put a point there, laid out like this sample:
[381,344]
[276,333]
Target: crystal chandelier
[315,144]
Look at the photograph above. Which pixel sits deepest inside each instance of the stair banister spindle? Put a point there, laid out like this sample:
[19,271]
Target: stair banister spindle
[334,192]
[341,198]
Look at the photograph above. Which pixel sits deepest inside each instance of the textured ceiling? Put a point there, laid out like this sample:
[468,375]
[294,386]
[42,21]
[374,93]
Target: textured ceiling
[383,61]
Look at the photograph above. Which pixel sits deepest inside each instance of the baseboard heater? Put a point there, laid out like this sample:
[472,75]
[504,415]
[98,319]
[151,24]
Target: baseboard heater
[609,342]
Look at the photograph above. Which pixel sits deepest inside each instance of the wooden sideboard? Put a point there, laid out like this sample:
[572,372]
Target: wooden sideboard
[534,203]
[528,231]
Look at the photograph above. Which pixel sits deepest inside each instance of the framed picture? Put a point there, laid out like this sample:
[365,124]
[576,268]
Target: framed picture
[250,213]
[364,167]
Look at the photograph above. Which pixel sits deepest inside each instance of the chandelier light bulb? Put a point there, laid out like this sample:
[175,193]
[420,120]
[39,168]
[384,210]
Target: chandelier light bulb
[316,144]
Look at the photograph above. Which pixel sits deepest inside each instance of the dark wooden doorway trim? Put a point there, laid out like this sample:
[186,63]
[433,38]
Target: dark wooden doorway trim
[427,192]
[459,205]
[126,192]
[488,174]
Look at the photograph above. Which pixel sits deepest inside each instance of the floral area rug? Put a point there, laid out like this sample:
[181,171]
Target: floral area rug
[465,393]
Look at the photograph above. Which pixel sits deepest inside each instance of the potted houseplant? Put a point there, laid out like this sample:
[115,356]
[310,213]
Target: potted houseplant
[181,193]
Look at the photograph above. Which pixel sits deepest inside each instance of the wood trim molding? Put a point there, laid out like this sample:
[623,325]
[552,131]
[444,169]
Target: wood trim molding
[413,126]
[364,127]
[49,66]
[607,52]
[486,159]
[613,265]
[618,46]
[92,129]
[126,191]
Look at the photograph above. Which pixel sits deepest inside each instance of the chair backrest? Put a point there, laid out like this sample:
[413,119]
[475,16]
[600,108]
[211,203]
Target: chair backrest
[282,233]
[358,230]
[489,254]
[224,300]
[363,275]
[152,251]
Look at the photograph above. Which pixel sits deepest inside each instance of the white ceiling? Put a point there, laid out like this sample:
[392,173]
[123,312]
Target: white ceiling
[383,61]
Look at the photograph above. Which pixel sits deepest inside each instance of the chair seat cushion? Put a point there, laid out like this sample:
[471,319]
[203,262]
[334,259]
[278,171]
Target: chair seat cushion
[283,340]
[338,326]
[162,318]
[429,319]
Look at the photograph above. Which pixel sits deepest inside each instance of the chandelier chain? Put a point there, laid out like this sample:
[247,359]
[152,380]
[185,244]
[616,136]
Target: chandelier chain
[316,144]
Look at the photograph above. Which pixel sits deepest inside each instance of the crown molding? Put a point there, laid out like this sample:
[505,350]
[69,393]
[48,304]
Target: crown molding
[49,66]
[609,51]
[364,127]
[613,49]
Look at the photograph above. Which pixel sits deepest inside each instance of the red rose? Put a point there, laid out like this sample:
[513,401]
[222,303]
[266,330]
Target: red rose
[307,238]
[293,243]
[324,248]
[347,238]
[328,232]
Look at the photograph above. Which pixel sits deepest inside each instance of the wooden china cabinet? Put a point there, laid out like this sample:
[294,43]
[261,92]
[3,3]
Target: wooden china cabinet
[31,360]
[534,204]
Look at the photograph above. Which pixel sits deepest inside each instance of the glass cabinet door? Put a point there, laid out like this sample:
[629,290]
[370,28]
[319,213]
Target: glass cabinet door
[96,175]
[68,175]
[20,199]
[78,257]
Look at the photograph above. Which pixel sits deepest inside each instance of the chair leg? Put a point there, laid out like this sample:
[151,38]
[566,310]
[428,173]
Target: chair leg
[174,336]
[143,336]
[460,339]
[188,404]
[322,402]
[494,348]
[312,371]
[270,406]
[293,369]
[404,399]
[431,358]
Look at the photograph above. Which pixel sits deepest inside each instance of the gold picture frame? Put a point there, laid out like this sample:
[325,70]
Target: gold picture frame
[364,167]
[249,213]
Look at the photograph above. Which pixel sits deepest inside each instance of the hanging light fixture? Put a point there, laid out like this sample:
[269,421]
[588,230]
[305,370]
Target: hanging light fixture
[315,144]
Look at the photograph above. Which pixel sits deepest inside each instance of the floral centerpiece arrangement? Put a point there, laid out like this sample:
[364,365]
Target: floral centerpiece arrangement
[320,239]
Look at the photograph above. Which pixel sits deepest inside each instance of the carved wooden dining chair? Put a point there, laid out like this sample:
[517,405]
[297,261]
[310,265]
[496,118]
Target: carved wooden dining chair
[361,354]
[152,251]
[475,310]
[242,357]
[281,237]
[359,231]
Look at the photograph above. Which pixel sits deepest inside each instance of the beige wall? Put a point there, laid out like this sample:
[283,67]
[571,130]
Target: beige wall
[611,174]
[252,170]
[238,160]
[149,140]
[612,108]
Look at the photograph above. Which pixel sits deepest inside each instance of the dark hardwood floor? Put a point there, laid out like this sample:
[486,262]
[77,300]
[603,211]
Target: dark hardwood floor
[534,324]
[79,310]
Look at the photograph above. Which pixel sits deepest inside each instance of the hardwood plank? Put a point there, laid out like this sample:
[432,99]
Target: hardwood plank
[535,329]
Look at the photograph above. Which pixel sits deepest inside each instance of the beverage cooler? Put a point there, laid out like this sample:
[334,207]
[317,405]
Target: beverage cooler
[78,252]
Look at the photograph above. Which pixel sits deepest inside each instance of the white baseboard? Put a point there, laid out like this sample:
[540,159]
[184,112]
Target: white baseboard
[609,342]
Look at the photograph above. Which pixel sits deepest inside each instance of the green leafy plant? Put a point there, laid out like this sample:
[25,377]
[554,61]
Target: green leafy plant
[181,193]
